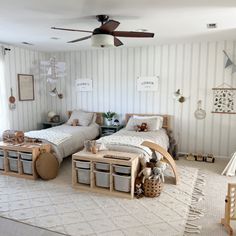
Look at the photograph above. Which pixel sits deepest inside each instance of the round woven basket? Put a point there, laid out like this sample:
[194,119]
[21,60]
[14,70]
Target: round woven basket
[152,187]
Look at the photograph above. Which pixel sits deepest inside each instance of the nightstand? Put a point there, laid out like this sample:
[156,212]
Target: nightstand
[48,124]
[108,130]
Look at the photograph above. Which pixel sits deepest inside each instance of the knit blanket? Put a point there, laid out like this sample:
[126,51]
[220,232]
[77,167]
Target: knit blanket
[51,136]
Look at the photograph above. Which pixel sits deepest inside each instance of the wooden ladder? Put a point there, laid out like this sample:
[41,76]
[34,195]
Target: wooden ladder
[230,207]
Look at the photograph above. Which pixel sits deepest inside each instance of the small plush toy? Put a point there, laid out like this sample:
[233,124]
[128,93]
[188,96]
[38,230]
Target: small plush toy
[158,170]
[75,122]
[138,190]
[147,172]
[142,128]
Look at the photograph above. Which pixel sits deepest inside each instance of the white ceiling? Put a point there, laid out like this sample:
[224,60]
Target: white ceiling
[170,20]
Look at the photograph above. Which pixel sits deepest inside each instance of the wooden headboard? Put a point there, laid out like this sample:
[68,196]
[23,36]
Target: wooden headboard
[99,119]
[166,119]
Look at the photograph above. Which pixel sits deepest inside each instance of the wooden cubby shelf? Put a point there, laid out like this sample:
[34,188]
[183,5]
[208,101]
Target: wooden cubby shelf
[27,148]
[90,171]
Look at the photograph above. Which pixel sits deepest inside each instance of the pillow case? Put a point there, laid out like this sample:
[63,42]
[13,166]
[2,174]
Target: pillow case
[85,118]
[159,120]
[152,123]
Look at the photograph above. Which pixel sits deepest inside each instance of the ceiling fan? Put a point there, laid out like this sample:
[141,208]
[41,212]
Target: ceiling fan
[106,35]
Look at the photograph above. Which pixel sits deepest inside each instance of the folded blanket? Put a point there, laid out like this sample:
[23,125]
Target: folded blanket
[129,141]
[51,136]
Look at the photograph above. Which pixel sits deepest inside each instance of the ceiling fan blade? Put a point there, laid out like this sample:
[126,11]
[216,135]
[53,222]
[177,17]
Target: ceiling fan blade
[133,34]
[80,39]
[117,42]
[86,31]
[110,25]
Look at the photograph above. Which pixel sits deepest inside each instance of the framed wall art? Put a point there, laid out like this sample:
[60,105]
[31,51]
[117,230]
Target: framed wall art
[224,100]
[26,87]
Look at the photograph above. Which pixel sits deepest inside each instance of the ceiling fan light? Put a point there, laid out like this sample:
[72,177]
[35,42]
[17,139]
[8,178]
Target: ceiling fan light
[102,40]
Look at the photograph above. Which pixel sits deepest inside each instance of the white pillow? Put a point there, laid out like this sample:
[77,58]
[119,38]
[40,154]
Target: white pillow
[85,118]
[152,123]
[159,120]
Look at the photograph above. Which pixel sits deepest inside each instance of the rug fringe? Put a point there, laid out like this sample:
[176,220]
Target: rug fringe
[195,212]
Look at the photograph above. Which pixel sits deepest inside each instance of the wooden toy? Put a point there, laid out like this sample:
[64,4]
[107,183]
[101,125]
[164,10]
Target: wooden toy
[230,208]
[210,158]
[200,157]
[190,157]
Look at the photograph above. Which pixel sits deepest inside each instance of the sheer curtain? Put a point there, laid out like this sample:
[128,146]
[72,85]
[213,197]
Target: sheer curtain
[4,111]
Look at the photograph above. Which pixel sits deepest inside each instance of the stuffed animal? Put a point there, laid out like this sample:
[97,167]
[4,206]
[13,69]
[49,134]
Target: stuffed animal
[147,172]
[138,190]
[142,128]
[75,122]
[158,170]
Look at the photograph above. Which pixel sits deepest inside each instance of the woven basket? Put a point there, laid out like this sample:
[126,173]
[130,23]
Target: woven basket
[152,187]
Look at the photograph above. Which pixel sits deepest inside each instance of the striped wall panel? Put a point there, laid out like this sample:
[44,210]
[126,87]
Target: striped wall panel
[192,67]
[28,115]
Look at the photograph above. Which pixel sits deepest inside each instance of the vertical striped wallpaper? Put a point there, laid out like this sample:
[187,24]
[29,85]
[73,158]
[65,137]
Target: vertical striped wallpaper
[28,115]
[194,68]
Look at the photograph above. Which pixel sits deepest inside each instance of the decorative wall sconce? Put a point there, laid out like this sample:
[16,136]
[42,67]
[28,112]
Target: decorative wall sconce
[178,96]
[54,93]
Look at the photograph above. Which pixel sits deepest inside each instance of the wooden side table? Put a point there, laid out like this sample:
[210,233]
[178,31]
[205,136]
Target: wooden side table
[108,130]
[91,160]
[30,149]
[47,124]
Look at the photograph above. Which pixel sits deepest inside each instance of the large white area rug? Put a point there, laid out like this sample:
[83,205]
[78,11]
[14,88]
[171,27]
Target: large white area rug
[56,206]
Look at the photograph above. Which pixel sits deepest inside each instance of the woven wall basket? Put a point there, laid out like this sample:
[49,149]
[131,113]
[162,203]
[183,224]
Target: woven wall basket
[152,187]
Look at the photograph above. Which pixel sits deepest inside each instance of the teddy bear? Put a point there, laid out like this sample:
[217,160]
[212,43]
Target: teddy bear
[75,122]
[142,128]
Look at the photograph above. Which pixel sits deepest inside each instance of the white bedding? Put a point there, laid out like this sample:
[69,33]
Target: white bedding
[130,141]
[70,138]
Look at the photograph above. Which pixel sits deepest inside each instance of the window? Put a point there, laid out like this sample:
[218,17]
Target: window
[4,111]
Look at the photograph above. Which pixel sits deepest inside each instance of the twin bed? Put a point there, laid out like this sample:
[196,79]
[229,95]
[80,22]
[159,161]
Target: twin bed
[67,139]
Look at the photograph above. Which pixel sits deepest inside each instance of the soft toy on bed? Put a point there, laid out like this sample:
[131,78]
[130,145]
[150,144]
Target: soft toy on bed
[75,122]
[142,128]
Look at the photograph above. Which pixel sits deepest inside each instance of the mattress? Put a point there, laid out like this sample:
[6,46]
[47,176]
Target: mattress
[68,139]
[130,141]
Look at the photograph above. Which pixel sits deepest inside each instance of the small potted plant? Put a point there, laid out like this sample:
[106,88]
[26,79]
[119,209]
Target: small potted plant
[108,117]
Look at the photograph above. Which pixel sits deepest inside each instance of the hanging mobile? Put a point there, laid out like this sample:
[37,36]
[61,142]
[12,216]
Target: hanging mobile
[12,100]
[200,113]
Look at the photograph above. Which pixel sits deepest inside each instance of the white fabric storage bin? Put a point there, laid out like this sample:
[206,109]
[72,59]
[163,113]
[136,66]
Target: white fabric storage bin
[12,153]
[83,176]
[26,156]
[13,164]
[102,166]
[1,152]
[27,167]
[82,164]
[122,183]
[1,162]
[122,169]
[102,179]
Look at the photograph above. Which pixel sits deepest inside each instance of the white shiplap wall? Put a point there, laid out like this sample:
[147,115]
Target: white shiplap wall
[193,67]
[28,115]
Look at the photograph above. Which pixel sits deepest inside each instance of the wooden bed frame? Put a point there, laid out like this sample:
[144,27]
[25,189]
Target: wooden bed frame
[157,148]
[99,119]
[166,119]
